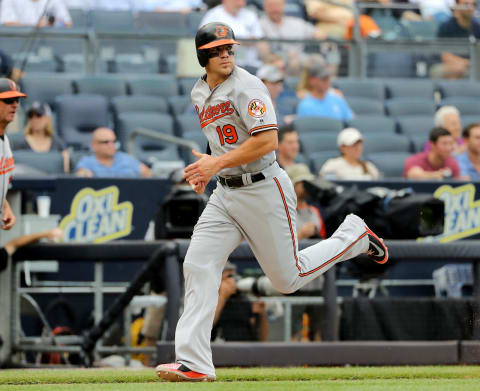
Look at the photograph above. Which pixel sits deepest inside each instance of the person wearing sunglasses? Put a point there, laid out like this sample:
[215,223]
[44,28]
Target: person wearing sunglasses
[107,161]
[40,136]
[9,100]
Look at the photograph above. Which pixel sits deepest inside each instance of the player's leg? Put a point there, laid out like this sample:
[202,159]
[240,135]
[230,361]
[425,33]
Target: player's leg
[267,213]
[215,236]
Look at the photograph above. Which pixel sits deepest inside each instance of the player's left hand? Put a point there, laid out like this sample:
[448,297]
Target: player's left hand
[8,218]
[202,170]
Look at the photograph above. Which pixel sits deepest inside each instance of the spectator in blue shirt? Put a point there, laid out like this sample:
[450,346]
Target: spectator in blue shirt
[469,161]
[321,101]
[107,161]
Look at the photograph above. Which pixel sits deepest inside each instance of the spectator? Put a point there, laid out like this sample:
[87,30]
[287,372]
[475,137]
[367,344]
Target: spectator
[107,161]
[7,68]
[244,23]
[9,102]
[435,10]
[469,161]
[448,117]
[309,225]
[320,100]
[184,6]
[461,25]
[15,244]
[272,77]
[437,163]
[288,146]
[349,165]
[236,318]
[41,13]
[40,135]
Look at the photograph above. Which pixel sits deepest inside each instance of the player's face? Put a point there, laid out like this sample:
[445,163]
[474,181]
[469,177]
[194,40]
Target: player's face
[221,60]
[444,147]
[473,141]
[453,125]
[8,108]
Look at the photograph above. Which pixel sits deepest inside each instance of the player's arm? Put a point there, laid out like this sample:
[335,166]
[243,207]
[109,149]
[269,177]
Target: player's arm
[8,218]
[251,150]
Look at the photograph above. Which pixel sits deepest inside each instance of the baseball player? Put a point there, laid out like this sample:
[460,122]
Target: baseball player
[254,201]
[9,97]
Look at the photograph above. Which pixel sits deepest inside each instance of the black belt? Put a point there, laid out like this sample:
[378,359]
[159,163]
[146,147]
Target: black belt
[236,181]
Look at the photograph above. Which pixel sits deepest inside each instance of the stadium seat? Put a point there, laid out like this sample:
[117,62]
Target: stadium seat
[409,88]
[45,88]
[108,21]
[134,63]
[459,88]
[78,115]
[172,23]
[365,106]
[466,106]
[188,123]
[200,139]
[100,85]
[418,141]
[421,30]
[392,64]
[179,104]
[165,85]
[312,142]
[390,164]
[415,125]
[402,107]
[470,119]
[186,84]
[291,82]
[145,148]
[317,159]
[48,162]
[372,89]
[386,143]
[138,103]
[317,124]
[79,17]
[193,20]
[289,104]
[373,124]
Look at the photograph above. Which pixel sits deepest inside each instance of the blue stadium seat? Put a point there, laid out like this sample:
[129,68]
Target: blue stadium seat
[418,141]
[317,124]
[179,104]
[79,17]
[186,84]
[459,88]
[188,123]
[317,159]
[108,21]
[101,85]
[402,107]
[200,139]
[392,64]
[372,89]
[172,23]
[165,85]
[466,106]
[415,125]
[48,162]
[366,106]
[138,104]
[313,142]
[147,149]
[386,143]
[373,124]
[193,20]
[288,103]
[409,88]
[78,116]
[45,88]
[421,30]
[390,164]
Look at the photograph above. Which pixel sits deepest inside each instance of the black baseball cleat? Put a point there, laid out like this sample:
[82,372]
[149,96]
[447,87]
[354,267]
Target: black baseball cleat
[377,250]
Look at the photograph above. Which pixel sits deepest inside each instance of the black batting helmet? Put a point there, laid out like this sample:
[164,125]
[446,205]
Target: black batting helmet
[211,35]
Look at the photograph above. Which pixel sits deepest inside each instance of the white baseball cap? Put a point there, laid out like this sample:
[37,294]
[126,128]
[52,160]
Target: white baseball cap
[348,137]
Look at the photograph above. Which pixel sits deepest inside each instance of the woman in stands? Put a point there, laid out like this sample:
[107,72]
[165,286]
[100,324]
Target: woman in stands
[349,165]
[40,136]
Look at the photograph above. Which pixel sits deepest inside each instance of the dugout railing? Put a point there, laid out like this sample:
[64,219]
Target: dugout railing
[14,342]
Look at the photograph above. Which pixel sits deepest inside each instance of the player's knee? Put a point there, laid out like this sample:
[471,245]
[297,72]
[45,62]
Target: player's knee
[284,286]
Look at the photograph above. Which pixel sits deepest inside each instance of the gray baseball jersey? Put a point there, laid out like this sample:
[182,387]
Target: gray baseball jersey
[6,169]
[262,212]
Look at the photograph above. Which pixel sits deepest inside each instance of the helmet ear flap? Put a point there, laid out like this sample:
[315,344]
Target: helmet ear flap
[202,56]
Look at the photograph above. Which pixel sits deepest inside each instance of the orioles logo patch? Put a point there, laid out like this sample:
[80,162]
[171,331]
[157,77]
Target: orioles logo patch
[256,108]
[221,31]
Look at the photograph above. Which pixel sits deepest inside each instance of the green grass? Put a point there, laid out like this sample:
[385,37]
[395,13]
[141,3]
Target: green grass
[461,378]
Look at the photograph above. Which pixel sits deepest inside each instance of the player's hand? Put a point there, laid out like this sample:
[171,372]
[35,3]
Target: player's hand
[202,170]
[199,188]
[8,218]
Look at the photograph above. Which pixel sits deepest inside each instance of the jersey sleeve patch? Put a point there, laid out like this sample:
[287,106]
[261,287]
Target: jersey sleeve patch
[256,108]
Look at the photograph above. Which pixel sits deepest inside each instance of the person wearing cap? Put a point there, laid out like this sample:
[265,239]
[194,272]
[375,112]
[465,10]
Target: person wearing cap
[320,100]
[349,165]
[273,77]
[41,13]
[236,318]
[40,135]
[9,102]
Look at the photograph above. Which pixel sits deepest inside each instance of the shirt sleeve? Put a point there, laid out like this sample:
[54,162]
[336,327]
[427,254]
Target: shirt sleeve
[453,164]
[61,13]
[257,111]
[84,162]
